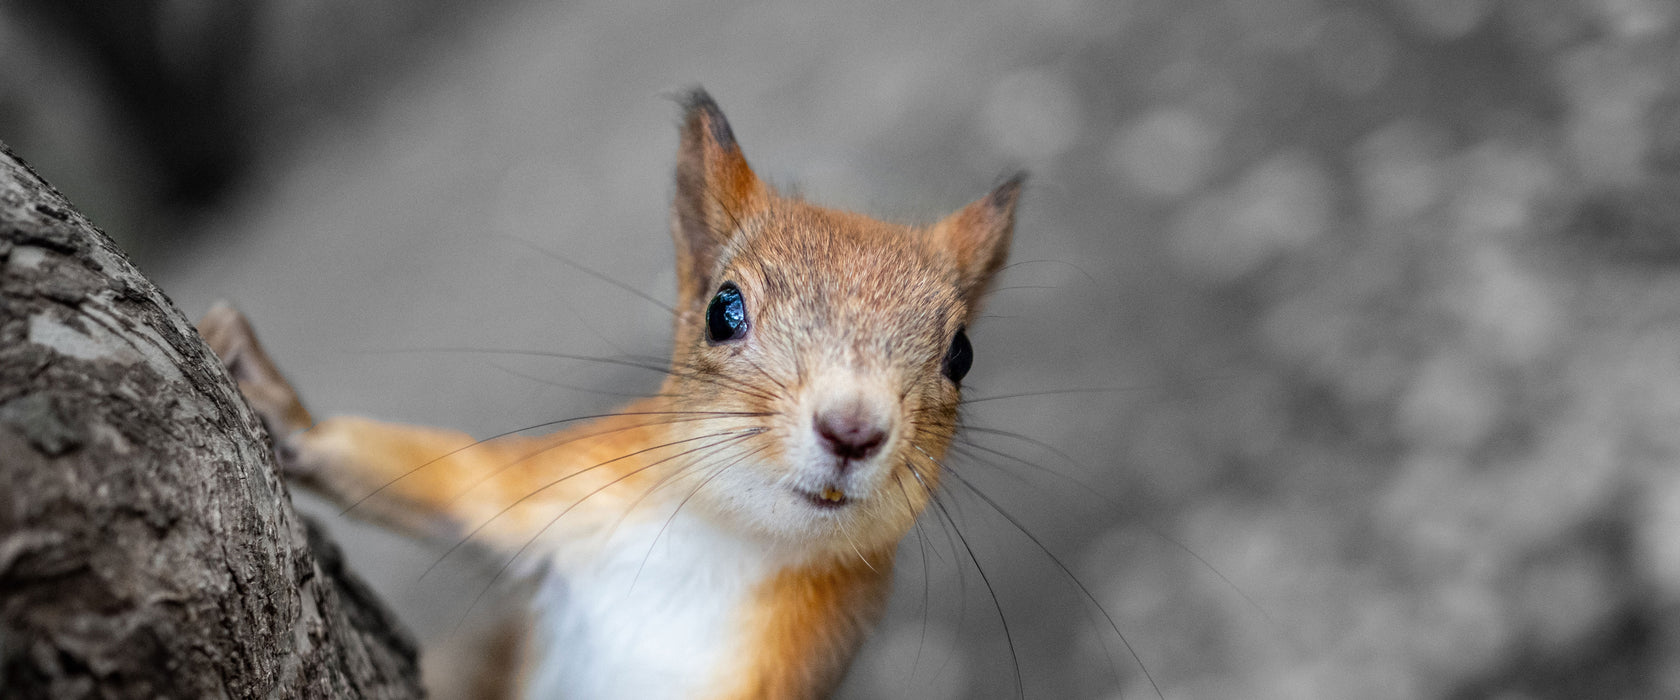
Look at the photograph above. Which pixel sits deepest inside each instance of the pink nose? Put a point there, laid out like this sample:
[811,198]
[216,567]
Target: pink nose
[849,433]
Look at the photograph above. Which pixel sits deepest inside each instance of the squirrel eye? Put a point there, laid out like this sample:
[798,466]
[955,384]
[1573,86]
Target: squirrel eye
[726,316]
[959,358]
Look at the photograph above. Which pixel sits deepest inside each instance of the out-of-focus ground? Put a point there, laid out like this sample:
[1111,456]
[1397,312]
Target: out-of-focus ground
[1387,293]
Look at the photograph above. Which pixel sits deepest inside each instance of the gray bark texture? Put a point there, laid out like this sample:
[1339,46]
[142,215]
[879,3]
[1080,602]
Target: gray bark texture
[147,546]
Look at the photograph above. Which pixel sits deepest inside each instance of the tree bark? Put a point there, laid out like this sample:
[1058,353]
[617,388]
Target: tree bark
[148,547]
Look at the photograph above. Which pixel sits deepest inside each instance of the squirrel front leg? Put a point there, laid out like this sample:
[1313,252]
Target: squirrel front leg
[414,479]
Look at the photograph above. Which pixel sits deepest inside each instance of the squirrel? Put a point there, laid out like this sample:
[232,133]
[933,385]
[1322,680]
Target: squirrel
[733,535]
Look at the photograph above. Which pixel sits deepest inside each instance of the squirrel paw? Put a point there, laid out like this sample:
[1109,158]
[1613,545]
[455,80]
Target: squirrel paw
[230,335]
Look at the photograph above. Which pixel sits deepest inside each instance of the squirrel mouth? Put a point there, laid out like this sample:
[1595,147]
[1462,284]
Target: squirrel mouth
[829,497]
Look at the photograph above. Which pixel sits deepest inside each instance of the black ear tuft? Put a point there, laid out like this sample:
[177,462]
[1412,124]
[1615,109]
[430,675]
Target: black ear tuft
[699,106]
[1007,194]
[977,237]
[716,191]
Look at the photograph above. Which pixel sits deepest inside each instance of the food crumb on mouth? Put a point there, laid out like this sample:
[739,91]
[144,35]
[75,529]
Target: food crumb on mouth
[828,497]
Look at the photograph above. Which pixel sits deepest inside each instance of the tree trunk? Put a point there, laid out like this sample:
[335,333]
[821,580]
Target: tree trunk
[147,546]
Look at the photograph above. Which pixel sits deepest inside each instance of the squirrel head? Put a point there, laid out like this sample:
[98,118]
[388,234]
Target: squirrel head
[840,339]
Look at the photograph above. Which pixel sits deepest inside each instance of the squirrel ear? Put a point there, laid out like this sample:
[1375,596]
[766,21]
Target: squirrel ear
[716,190]
[977,236]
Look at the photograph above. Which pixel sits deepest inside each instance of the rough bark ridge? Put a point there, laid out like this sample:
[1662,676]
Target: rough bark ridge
[147,546]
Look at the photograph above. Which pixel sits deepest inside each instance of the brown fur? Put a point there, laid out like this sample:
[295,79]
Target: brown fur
[842,308]
[805,628]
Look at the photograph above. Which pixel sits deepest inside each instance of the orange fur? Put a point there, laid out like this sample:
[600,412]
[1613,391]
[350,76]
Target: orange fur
[846,311]
[443,483]
[805,625]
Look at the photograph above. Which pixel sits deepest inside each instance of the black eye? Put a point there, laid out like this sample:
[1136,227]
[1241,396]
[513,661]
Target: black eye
[726,316]
[959,358]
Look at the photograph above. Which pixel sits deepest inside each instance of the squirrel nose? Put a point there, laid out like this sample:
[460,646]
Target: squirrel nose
[849,432]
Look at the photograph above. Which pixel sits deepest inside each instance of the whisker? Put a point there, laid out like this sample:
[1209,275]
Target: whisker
[1065,571]
[1093,491]
[950,529]
[921,542]
[946,525]
[504,511]
[1022,437]
[859,553]
[716,473]
[1211,379]
[576,438]
[1080,270]
[573,387]
[671,478]
[733,436]
[965,442]
[1009,639]
[538,535]
[1062,392]
[734,221]
[739,384]
[766,374]
[620,362]
[662,483]
[545,424]
[580,267]
[976,459]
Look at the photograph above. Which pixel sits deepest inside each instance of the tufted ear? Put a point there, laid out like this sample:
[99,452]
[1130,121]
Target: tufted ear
[977,237]
[716,191]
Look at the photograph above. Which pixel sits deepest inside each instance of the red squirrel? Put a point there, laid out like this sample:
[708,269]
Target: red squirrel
[732,536]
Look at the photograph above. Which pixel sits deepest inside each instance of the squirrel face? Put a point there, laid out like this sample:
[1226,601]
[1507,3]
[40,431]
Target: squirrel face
[837,339]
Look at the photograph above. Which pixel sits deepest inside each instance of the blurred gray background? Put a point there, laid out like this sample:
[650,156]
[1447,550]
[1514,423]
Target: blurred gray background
[1382,297]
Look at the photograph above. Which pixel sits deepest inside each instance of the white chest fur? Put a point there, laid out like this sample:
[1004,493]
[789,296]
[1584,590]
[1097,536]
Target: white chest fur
[653,612]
